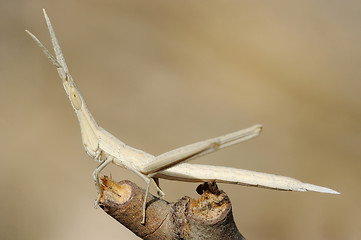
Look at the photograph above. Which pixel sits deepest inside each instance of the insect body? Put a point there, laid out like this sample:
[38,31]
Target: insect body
[105,148]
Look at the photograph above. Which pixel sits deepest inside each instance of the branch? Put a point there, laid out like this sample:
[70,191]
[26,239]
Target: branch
[209,217]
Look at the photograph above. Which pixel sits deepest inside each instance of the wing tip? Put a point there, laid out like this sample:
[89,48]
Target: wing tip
[315,188]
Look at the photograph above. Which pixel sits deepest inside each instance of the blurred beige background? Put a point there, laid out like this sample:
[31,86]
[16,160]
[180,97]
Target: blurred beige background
[162,74]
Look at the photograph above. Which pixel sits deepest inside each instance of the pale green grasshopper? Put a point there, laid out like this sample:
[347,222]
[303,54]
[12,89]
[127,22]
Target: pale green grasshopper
[105,148]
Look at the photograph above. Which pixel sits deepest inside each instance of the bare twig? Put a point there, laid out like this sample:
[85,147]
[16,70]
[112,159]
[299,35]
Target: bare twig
[209,217]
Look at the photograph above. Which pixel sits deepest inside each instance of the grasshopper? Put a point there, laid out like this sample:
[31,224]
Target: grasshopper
[105,148]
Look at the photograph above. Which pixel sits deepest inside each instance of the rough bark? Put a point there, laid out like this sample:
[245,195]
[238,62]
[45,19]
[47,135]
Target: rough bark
[209,217]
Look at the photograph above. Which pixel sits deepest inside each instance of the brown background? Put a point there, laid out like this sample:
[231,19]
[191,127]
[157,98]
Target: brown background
[161,74]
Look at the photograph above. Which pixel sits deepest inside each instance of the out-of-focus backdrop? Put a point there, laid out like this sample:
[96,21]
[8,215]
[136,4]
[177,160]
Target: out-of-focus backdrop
[161,74]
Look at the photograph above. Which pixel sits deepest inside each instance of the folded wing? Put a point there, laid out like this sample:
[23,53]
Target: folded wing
[200,173]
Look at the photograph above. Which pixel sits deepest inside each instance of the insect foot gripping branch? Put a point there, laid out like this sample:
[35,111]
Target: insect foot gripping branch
[105,148]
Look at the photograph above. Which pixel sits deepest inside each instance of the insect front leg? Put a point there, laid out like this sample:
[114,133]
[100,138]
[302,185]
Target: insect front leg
[96,178]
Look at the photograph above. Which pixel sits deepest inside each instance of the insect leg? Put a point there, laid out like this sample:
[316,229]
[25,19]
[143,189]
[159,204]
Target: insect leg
[96,178]
[195,150]
[160,193]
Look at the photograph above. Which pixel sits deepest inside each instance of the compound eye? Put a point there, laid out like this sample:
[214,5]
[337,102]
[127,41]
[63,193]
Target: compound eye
[75,98]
